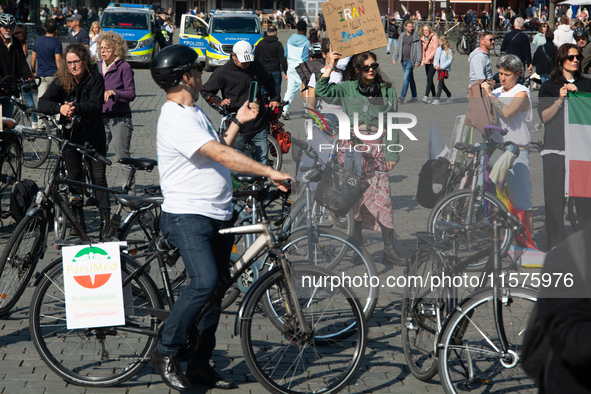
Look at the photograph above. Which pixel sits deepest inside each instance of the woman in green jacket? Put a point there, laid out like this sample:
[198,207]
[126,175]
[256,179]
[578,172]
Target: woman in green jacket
[368,95]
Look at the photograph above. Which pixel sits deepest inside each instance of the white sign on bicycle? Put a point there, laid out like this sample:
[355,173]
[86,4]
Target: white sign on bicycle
[92,285]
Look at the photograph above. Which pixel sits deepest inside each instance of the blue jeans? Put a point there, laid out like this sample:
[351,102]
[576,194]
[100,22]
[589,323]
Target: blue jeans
[409,78]
[390,41]
[260,142]
[28,96]
[544,77]
[206,255]
[277,77]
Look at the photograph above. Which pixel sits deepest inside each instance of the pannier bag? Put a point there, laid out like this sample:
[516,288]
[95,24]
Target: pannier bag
[433,181]
[339,189]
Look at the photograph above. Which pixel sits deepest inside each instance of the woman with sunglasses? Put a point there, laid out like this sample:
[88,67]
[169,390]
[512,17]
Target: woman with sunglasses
[367,96]
[566,76]
[78,93]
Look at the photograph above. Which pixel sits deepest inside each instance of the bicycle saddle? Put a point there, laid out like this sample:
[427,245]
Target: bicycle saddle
[247,178]
[139,164]
[136,202]
[450,228]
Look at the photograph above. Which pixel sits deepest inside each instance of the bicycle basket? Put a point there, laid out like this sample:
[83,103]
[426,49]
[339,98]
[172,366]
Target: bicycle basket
[339,189]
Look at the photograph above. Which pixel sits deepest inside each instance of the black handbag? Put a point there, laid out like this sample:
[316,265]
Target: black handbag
[339,189]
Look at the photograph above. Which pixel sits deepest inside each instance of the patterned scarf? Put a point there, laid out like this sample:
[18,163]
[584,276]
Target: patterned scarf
[106,68]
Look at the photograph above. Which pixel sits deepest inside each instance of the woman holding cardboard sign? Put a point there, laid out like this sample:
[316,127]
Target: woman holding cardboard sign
[365,98]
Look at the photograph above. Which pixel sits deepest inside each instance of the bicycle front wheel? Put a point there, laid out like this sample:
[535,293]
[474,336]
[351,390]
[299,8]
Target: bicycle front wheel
[470,356]
[19,258]
[454,208]
[10,173]
[101,356]
[339,254]
[284,360]
[35,149]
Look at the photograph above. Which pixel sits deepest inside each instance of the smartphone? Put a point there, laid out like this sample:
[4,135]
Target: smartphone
[252,91]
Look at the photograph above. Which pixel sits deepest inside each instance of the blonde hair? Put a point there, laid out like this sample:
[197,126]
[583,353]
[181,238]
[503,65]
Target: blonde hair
[115,41]
[423,30]
[444,42]
[95,23]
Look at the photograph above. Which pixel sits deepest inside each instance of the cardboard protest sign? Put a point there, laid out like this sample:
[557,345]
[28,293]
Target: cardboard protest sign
[354,26]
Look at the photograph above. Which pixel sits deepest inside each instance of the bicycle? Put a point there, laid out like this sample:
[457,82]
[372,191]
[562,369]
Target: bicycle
[10,164]
[468,41]
[472,207]
[35,150]
[283,354]
[274,156]
[427,311]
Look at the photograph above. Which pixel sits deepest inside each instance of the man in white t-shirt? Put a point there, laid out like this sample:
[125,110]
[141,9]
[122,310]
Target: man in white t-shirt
[194,165]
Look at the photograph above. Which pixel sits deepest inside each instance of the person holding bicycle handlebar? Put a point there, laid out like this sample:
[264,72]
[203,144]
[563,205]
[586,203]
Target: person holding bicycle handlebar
[12,62]
[194,165]
[77,93]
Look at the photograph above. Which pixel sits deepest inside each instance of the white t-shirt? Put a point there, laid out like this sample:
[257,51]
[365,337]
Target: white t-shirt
[335,77]
[519,125]
[191,183]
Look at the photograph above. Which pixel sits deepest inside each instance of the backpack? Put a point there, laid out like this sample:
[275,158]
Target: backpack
[433,181]
[321,20]
[22,196]
[536,351]
[306,69]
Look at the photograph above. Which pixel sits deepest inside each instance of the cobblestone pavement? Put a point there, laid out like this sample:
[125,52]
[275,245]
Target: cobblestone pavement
[384,369]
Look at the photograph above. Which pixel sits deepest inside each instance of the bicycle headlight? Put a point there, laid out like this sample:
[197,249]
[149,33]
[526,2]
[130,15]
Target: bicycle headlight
[145,43]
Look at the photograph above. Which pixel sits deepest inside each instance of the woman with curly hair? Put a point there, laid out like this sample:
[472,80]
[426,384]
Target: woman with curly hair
[367,96]
[78,93]
[119,92]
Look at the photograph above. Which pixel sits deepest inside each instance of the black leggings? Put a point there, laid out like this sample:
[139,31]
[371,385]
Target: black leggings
[441,86]
[73,160]
[430,71]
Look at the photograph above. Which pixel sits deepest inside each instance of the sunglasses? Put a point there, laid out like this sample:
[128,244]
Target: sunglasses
[373,67]
[571,58]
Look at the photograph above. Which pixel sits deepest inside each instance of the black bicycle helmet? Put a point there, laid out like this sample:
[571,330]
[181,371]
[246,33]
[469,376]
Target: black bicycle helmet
[7,20]
[580,32]
[171,63]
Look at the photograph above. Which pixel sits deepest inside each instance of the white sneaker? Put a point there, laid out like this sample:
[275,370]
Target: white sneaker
[426,100]
[449,100]
[36,125]
[435,102]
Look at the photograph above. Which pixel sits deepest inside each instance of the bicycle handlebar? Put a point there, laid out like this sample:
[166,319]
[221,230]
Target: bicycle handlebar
[510,221]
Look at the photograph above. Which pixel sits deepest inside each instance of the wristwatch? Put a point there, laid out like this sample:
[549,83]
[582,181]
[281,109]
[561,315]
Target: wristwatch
[237,122]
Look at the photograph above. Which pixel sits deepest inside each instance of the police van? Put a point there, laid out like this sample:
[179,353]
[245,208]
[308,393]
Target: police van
[137,24]
[213,40]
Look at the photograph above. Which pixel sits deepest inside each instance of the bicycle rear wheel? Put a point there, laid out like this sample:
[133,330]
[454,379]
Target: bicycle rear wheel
[470,356]
[284,360]
[10,173]
[35,149]
[275,156]
[454,208]
[19,259]
[102,356]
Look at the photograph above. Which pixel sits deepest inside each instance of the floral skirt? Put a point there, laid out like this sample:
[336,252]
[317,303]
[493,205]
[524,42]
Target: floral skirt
[375,206]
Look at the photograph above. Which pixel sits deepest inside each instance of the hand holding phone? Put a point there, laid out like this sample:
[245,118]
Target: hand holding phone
[252,91]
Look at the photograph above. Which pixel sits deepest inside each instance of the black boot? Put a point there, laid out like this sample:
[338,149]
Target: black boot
[78,212]
[105,224]
[390,256]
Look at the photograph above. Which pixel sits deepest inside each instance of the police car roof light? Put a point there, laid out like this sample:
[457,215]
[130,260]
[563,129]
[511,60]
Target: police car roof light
[130,5]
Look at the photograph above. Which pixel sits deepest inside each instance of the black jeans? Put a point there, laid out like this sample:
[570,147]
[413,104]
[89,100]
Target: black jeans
[73,160]
[555,200]
[441,86]
[430,71]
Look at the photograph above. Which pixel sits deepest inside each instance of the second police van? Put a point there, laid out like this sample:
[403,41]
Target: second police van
[213,40]
[137,24]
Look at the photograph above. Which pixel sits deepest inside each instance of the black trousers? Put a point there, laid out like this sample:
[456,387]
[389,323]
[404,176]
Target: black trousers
[98,177]
[441,86]
[555,200]
[430,71]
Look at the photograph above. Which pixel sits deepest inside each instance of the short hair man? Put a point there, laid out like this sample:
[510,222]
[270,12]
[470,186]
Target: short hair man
[480,65]
[270,53]
[516,43]
[409,53]
[563,33]
[79,35]
[581,36]
[192,214]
